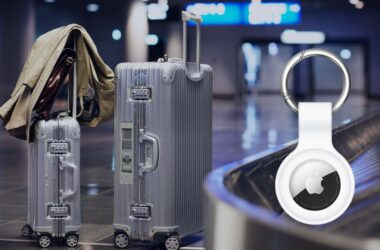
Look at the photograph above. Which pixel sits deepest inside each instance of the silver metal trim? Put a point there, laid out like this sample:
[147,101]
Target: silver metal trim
[187,16]
[309,53]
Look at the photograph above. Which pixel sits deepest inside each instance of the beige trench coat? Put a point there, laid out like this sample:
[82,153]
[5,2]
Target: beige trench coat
[17,111]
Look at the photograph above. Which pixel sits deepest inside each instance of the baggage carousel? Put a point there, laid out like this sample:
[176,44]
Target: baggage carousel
[243,212]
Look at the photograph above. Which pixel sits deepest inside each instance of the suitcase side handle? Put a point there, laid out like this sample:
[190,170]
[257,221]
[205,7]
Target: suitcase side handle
[187,16]
[75,169]
[150,167]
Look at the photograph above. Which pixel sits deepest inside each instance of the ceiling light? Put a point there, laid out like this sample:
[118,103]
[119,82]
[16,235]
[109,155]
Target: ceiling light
[302,37]
[157,11]
[92,7]
[354,1]
[345,54]
[116,34]
[151,39]
[272,49]
[359,5]
[49,1]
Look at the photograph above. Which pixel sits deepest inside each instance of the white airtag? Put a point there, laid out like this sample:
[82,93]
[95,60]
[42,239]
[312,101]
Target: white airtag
[315,184]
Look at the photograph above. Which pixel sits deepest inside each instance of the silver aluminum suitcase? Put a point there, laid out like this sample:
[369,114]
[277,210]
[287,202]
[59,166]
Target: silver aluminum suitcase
[53,180]
[163,133]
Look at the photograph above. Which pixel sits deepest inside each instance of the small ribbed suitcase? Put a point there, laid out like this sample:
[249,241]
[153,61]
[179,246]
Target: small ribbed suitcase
[53,181]
[53,178]
[163,133]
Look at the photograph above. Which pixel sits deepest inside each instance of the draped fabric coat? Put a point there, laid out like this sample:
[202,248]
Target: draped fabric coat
[91,71]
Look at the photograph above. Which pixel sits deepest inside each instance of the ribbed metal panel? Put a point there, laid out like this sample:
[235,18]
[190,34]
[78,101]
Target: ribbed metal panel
[179,115]
[193,126]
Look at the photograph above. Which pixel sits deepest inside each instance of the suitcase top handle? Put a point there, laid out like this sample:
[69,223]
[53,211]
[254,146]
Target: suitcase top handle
[187,16]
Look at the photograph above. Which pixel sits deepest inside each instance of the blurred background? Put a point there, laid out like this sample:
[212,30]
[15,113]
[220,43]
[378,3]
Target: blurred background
[247,43]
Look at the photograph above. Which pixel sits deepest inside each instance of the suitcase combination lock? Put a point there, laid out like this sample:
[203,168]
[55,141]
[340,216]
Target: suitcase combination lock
[315,184]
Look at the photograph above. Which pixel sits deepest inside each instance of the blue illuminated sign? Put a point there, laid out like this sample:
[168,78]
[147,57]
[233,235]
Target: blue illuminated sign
[218,13]
[222,13]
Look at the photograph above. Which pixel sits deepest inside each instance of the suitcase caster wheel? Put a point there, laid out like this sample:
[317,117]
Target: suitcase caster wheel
[26,231]
[44,240]
[72,240]
[121,240]
[172,243]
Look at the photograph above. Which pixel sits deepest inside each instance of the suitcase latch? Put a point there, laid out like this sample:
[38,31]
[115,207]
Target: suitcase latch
[140,211]
[141,94]
[59,148]
[58,211]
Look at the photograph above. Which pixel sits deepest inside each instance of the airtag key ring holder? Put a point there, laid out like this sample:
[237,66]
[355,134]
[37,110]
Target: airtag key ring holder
[315,183]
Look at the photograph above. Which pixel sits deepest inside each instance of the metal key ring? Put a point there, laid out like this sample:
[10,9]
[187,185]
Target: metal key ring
[309,53]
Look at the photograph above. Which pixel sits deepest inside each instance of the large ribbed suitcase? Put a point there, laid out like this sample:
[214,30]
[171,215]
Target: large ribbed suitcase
[163,133]
[53,178]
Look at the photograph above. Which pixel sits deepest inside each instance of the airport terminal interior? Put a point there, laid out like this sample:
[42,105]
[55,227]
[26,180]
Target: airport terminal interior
[247,44]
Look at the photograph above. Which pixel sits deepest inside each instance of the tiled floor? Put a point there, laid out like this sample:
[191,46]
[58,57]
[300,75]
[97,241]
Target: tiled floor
[239,130]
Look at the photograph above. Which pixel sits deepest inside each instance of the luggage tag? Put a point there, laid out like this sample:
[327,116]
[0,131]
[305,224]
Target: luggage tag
[315,183]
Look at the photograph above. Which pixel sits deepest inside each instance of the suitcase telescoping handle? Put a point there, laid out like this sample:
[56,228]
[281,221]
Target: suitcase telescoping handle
[75,89]
[72,94]
[75,170]
[150,164]
[187,16]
